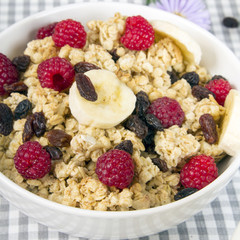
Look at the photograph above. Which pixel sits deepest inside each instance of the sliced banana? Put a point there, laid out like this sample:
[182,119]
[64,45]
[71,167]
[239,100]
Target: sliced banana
[229,139]
[189,47]
[115,101]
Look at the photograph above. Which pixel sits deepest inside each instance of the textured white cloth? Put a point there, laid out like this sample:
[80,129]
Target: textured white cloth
[216,222]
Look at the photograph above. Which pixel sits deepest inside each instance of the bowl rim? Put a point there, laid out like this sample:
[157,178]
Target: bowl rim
[227,174]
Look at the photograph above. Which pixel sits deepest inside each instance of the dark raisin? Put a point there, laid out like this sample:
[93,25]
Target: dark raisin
[154,122]
[85,87]
[161,164]
[28,129]
[126,146]
[54,152]
[6,119]
[218,77]
[136,125]
[230,22]
[142,104]
[59,138]
[208,127]
[19,87]
[115,57]
[192,78]
[148,141]
[83,67]
[173,76]
[22,109]
[39,124]
[21,62]
[184,193]
[201,92]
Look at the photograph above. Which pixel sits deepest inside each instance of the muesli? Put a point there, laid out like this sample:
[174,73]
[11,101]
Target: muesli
[112,119]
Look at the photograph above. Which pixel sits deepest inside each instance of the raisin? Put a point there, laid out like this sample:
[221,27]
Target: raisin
[201,92]
[161,164]
[230,22]
[22,109]
[28,129]
[115,57]
[39,124]
[208,127]
[173,76]
[184,193]
[192,78]
[83,67]
[6,119]
[148,141]
[85,87]
[154,122]
[19,87]
[136,125]
[21,62]
[142,104]
[126,146]
[59,138]
[218,77]
[55,152]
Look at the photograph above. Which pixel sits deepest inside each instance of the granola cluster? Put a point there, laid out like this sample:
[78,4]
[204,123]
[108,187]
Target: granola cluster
[72,180]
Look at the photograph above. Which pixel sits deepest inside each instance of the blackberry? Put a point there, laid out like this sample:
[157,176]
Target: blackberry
[192,78]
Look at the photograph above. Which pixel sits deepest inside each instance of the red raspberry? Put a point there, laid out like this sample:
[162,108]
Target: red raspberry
[8,72]
[56,73]
[220,87]
[115,168]
[139,34]
[69,32]
[168,111]
[32,161]
[198,172]
[46,31]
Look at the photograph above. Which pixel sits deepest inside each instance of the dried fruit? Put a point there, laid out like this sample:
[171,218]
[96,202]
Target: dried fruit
[161,164]
[83,67]
[6,119]
[184,193]
[22,109]
[136,125]
[39,124]
[201,92]
[19,87]
[126,146]
[54,152]
[153,122]
[192,78]
[173,76]
[59,138]
[28,129]
[148,141]
[85,87]
[230,22]
[142,104]
[208,127]
[114,54]
[21,62]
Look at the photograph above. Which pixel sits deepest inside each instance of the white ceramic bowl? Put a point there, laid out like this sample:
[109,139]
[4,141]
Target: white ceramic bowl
[115,225]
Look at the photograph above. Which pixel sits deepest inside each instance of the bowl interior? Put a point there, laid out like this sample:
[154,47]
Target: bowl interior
[216,57]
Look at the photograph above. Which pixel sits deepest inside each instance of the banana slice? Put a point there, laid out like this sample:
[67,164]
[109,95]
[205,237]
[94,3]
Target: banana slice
[189,47]
[229,139]
[114,104]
